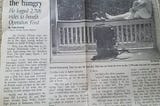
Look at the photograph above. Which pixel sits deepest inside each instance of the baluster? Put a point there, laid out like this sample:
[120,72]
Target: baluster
[78,39]
[60,35]
[76,36]
[152,36]
[127,34]
[131,33]
[135,32]
[92,35]
[63,36]
[144,33]
[88,35]
[72,38]
[147,35]
[117,34]
[67,36]
[140,33]
[84,34]
[80,35]
[122,33]
[142,37]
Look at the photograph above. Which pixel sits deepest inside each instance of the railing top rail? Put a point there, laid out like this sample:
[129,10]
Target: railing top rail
[88,21]
[73,21]
[91,23]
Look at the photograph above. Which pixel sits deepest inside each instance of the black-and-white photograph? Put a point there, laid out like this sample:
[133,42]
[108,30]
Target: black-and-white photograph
[103,30]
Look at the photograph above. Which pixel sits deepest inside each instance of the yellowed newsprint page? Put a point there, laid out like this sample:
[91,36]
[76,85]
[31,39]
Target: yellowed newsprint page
[80,53]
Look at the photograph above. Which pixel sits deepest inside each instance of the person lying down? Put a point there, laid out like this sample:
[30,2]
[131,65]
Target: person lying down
[140,9]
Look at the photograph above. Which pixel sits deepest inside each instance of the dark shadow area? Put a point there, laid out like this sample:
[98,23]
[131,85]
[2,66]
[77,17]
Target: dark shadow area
[84,9]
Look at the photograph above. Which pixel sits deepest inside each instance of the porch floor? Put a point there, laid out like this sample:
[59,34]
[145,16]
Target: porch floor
[146,54]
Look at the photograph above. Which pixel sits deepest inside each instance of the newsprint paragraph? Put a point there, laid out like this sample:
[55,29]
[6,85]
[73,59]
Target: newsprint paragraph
[80,53]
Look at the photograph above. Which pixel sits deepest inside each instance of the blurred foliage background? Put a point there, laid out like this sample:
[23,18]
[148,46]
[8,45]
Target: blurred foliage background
[84,9]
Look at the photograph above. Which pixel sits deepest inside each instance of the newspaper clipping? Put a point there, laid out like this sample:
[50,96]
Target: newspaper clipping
[80,53]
